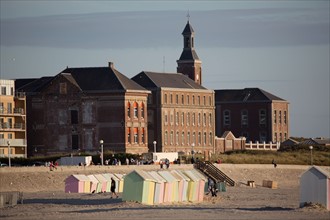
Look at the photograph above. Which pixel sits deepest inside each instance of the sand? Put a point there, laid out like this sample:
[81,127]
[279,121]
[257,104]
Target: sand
[44,196]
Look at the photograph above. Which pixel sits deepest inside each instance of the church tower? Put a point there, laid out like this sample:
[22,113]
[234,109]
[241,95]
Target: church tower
[189,63]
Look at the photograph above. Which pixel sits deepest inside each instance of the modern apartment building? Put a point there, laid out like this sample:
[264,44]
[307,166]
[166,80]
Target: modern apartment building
[12,121]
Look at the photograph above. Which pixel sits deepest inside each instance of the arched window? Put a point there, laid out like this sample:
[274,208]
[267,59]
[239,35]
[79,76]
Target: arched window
[128,109]
[142,110]
[135,105]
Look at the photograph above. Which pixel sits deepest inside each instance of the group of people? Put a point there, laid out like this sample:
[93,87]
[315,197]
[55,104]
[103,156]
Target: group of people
[166,162]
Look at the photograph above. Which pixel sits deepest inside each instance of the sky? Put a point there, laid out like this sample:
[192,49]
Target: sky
[278,46]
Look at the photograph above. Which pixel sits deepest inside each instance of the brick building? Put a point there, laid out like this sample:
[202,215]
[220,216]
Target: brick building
[77,108]
[252,113]
[180,112]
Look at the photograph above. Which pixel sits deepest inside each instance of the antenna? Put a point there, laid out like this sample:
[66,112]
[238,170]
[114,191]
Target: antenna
[163,64]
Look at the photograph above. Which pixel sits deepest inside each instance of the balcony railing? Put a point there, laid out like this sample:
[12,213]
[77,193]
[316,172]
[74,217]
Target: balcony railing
[15,111]
[13,142]
[8,126]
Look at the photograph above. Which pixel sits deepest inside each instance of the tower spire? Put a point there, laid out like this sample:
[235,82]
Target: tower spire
[188,15]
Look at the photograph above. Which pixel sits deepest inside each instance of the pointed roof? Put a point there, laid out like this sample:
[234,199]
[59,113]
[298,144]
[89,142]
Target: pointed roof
[188,29]
[100,79]
[245,95]
[151,80]
[188,54]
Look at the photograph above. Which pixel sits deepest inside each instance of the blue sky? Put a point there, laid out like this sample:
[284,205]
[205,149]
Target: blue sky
[279,46]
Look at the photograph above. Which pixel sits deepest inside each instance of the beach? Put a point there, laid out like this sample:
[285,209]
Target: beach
[43,196]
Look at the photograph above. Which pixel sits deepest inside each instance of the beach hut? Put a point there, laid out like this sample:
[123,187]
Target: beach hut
[193,186]
[139,186]
[171,190]
[77,184]
[103,182]
[202,184]
[315,187]
[120,185]
[108,179]
[183,184]
[95,184]
[159,187]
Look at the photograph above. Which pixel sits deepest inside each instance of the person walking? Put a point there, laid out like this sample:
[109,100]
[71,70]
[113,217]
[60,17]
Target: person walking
[113,188]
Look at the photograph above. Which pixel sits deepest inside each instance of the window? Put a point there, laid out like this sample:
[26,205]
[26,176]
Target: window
[1,107]
[128,135]
[2,136]
[136,137]
[194,138]
[10,122]
[275,137]
[3,90]
[142,110]
[135,106]
[199,100]
[177,138]
[166,118]
[128,109]
[210,139]
[11,91]
[193,119]
[199,119]
[182,118]
[10,136]
[165,98]
[166,138]
[182,99]
[226,117]
[182,138]
[284,118]
[262,117]
[263,136]
[204,119]
[188,118]
[75,142]
[177,118]
[74,117]
[204,100]
[171,138]
[142,135]
[210,119]
[188,138]
[280,117]
[171,118]
[204,138]
[210,100]
[63,88]
[285,136]
[177,99]
[171,98]
[275,116]
[9,107]
[187,99]
[193,100]
[244,117]
[199,138]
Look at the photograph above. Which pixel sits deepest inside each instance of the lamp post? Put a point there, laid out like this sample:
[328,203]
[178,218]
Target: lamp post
[155,142]
[192,151]
[311,148]
[101,143]
[9,160]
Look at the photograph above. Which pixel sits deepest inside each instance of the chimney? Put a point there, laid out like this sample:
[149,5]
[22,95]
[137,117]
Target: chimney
[111,65]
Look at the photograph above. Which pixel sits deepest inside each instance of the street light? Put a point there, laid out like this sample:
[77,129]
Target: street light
[311,148]
[9,161]
[192,151]
[155,142]
[101,143]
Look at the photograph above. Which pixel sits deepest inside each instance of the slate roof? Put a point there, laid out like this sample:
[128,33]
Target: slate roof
[188,29]
[150,80]
[245,95]
[32,85]
[189,54]
[100,79]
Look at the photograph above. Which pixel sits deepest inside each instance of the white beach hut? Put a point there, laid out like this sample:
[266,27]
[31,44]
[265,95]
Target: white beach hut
[315,187]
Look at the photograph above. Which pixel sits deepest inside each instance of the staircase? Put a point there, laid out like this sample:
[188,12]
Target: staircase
[213,172]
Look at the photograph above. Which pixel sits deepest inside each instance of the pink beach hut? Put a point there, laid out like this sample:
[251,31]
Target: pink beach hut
[108,178]
[159,187]
[183,184]
[202,182]
[171,192]
[77,184]
[102,181]
[95,185]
